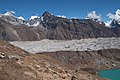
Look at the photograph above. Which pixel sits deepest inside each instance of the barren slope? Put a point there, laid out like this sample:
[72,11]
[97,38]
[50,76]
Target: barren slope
[16,64]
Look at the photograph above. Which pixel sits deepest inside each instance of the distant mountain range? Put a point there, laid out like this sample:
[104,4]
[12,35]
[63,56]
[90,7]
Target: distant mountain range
[48,26]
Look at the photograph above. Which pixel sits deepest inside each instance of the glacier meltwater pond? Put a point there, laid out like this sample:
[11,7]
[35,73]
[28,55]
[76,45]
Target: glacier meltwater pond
[110,74]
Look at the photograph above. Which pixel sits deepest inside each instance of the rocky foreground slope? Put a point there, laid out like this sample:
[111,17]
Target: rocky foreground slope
[16,64]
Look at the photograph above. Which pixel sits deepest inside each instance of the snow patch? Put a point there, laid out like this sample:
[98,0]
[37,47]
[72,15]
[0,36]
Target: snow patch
[33,17]
[9,13]
[41,18]
[21,18]
[107,24]
[74,17]
[36,24]
[62,16]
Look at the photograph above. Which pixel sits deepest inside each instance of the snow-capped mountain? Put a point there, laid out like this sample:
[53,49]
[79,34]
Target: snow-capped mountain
[18,21]
[9,17]
[37,20]
[49,26]
[33,21]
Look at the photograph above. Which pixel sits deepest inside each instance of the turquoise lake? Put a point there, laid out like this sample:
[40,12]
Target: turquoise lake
[110,74]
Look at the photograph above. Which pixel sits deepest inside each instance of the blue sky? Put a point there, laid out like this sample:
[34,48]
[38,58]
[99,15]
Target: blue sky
[69,8]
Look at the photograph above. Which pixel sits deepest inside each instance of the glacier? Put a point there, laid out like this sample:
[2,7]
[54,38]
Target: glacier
[90,44]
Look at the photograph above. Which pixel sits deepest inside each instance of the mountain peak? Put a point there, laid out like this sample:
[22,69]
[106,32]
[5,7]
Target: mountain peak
[46,13]
[9,13]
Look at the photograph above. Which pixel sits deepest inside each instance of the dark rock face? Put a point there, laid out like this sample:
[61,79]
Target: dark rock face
[78,29]
[114,24]
[53,27]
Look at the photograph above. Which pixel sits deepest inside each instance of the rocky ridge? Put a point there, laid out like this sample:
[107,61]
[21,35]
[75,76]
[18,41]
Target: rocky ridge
[52,27]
